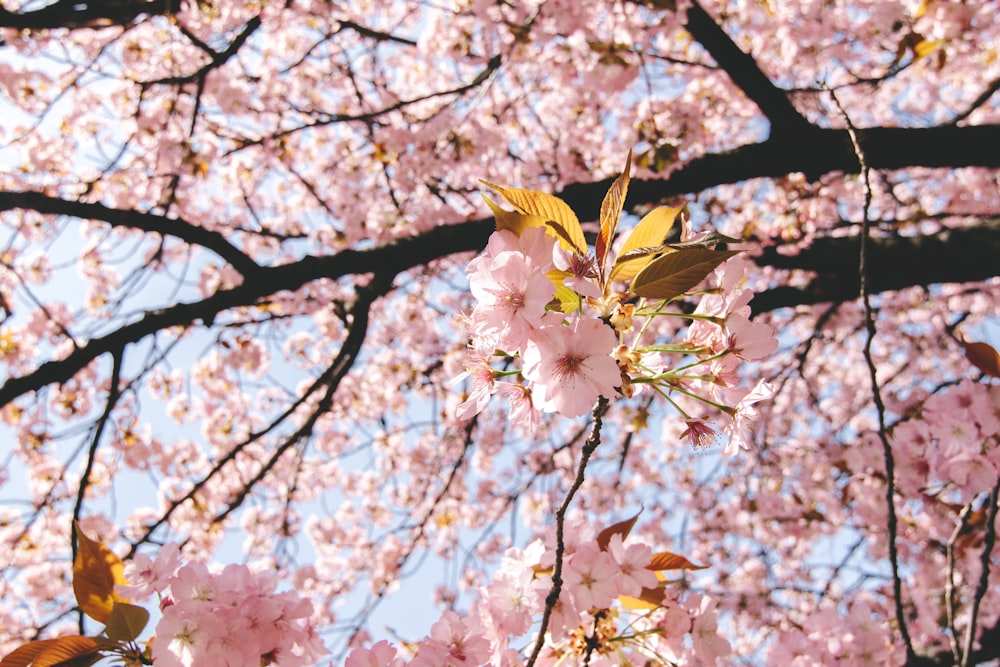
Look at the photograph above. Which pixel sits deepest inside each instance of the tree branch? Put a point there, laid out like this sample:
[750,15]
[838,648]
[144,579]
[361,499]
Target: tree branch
[147,222]
[72,14]
[951,256]
[819,152]
[217,58]
[388,261]
[745,73]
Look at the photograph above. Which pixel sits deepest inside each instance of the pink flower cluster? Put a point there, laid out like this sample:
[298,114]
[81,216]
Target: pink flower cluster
[568,364]
[609,345]
[591,617]
[232,617]
[955,442]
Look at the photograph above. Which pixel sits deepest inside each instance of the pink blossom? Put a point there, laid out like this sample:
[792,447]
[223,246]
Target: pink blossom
[512,293]
[512,600]
[481,382]
[592,577]
[233,618]
[632,561]
[579,273]
[184,640]
[571,366]
[967,468]
[750,340]
[522,410]
[147,576]
[699,433]
[745,414]
[708,645]
[453,642]
[382,654]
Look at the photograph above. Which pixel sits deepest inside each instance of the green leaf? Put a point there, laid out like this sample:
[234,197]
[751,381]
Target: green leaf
[677,272]
[658,158]
[648,234]
[551,209]
[126,622]
[569,301]
[611,211]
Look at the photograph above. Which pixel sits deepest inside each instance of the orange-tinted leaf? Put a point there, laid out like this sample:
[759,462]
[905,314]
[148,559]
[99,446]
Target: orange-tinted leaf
[675,273]
[984,357]
[622,528]
[23,655]
[126,622]
[668,561]
[611,211]
[540,571]
[64,651]
[650,598]
[96,572]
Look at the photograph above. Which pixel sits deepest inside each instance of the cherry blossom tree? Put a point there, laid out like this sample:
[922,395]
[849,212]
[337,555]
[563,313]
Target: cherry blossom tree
[271,331]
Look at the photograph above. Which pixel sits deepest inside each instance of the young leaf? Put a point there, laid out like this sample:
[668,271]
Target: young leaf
[23,655]
[649,233]
[565,238]
[513,221]
[126,622]
[569,301]
[668,561]
[709,241]
[611,211]
[984,357]
[96,572]
[548,207]
[673,274]
[649,598]
[65,651]
[622,528]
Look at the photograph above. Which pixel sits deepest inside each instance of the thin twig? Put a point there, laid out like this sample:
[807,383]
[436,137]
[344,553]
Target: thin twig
[949,584]
[113,395]
[890,466]
[984,575]
[553,597]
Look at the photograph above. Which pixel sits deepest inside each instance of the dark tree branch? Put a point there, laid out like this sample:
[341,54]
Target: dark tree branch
[951,256]
[745,73]
[989,641]
[217,58]
[818,152]
[147,222]
[350,349]
[72,14]
[983,97]
[388,261]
